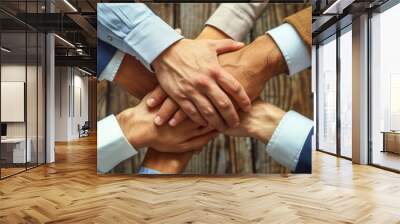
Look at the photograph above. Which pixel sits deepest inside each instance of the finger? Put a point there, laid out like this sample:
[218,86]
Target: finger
[224,105]
[234,89]
[167,110]
[208,112]
[178,118]
[192,112]
[192,130]
[204,130]
[226,45]
[156,97]
[197,142]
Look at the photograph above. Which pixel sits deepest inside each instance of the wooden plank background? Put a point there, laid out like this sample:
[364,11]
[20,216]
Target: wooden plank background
[224,155]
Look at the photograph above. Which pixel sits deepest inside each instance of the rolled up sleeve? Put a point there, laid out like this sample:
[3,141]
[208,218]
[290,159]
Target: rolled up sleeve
[134,29]
[236,19]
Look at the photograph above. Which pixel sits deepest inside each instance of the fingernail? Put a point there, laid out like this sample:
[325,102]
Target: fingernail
[172,122]
[158,120]
[150,102]
[239,44]
[236,124]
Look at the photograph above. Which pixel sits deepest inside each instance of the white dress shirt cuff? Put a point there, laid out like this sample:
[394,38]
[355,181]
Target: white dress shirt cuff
[112,67]
[288,139]
[112,146]
[293,49]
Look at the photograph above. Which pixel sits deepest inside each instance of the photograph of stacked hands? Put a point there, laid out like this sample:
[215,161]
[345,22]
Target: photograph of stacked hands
[272,111]
[197,92]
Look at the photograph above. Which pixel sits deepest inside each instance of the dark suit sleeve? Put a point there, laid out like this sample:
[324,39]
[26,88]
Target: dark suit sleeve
[105,52]
[304,163]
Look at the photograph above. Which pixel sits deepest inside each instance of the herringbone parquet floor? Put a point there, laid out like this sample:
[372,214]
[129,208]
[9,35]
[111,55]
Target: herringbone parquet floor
[70,191]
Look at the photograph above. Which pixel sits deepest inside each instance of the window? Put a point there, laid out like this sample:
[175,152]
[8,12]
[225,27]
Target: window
[346,75]
[327,95]
[385,89]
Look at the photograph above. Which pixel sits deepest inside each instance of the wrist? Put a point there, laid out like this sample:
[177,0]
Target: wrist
[264,123]
[133,129]
[158,63]
[166,163]
[274,62]
[211,32]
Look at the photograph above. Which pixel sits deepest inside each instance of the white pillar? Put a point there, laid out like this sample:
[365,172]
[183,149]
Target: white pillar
[50,93]
[314,91]
[360,90]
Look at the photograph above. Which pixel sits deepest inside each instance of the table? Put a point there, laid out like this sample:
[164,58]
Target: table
[391,141]
[16,147]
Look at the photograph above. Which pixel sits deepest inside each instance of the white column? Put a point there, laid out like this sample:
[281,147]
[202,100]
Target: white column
[314,91]
[50,93]
[360,90]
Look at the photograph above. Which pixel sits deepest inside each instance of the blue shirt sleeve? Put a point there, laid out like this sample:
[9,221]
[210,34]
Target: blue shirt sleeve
[145,170]
[134,29]
[105,52]
[304,164]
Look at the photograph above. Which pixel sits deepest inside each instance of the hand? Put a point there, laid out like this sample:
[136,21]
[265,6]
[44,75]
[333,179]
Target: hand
[189,72]
[138,127]
[260,122]
[252,66]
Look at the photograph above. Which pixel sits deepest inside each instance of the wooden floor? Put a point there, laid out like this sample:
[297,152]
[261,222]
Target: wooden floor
[70,191]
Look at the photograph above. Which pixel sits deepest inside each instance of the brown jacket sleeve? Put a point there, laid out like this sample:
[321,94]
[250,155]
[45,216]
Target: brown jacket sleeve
[301,21]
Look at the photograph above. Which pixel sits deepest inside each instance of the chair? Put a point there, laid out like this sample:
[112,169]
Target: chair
[84,130]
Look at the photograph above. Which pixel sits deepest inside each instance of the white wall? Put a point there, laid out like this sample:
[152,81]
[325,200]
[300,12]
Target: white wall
[70,83]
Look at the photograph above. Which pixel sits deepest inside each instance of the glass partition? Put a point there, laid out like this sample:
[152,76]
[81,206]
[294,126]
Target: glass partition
[22,78]
[327,95]
[14,151]
[385,89]
[346,92]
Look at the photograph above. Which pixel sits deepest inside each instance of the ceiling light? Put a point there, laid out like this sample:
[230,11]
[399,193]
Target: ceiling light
[84,71]
[65,41]
[337,7]
[70,5]
[5,50]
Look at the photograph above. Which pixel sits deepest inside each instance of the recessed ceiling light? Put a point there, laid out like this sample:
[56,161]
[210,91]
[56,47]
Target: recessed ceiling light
[65,41]
[5,50]
[84,71]
[70,5]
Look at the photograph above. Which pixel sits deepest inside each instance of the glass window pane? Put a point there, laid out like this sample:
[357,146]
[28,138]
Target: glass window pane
[13,86]
[327,96]
[31,97]
[346,94]
[41,98]
[385,84]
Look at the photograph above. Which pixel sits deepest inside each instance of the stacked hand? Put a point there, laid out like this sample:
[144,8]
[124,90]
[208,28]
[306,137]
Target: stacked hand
[190,74]
[250,68]
[139,129]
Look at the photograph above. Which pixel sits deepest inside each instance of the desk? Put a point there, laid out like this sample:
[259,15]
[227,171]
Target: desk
[13,150]
[391,141]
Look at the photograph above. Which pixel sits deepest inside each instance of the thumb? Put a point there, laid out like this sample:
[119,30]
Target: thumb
[226,45]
